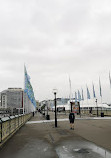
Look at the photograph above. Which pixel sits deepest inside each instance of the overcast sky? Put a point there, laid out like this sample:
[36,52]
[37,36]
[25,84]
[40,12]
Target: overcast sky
[56,39]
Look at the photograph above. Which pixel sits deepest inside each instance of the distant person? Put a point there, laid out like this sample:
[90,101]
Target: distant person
[90,111]
[71,119]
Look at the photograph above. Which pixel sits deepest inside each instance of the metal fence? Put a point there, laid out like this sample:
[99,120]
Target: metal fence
[94,112]
[9,125]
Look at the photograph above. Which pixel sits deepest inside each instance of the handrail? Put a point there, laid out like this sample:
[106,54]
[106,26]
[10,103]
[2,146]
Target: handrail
[9,125]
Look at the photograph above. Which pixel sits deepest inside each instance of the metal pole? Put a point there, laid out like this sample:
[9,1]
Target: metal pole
[97,107]
[71,106]
[79,109]
[47,107]
[23,101]
[44,109]
[55,112]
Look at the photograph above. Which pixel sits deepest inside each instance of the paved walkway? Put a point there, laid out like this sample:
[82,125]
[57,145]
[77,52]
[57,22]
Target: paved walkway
[41,139]
[66,119]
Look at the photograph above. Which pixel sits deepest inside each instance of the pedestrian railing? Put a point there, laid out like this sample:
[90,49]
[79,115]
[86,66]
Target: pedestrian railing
[94,112]
[9,125]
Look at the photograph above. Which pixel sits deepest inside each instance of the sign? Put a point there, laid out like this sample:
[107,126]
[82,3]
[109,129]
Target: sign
[75,107]
[59,109]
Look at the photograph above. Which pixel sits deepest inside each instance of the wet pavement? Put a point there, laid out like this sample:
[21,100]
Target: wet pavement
[80,149]
[70,148]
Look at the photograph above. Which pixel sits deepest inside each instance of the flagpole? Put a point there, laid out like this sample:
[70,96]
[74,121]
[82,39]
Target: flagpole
[110,81]
[94,95]
[88,105]
[82,100]
[101,103]
[88,95]
[82,106]
[70,88]
[100,93]
[23,89]
[82,103]
[93,92]
[70,92]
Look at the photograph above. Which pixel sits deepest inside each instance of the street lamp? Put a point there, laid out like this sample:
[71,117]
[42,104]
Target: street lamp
[47,116]
[71,106]
[97,107]
[55,92]
[47,107]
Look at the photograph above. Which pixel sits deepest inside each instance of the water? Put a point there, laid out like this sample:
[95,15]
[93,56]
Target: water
[81,149]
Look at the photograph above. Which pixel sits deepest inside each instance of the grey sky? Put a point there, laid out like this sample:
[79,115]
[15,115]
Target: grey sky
[56,38]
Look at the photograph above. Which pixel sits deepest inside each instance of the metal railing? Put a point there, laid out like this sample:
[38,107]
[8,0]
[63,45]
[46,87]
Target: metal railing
[94,112]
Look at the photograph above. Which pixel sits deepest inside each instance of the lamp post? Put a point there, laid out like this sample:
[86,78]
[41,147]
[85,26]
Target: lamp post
[55,102]
[97,107]
[71,106]
[47,107]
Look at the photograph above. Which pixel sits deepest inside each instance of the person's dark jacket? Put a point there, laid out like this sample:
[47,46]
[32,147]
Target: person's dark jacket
[71,116]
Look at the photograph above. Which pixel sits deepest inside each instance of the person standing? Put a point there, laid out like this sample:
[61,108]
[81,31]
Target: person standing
[71,119]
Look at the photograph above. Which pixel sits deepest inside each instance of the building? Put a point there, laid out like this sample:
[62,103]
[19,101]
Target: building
[37,104]
[0,100]
[16,100]
[61,102]
[12,98]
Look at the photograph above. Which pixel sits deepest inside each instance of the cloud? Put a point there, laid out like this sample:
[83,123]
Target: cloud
[55,39]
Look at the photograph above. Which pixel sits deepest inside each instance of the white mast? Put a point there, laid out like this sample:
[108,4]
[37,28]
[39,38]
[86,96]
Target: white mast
[24,89]
[70,91]
[70,88]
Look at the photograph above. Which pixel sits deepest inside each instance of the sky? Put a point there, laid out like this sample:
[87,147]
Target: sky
[56,39]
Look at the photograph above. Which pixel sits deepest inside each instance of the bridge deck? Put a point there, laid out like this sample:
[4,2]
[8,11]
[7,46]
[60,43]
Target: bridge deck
[40,139]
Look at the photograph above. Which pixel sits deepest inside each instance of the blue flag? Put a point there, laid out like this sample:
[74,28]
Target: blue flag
[79,96]
[82,95]
[75,97]
[94,94]
[88,94]
[110,79]
[28,88]
[100,87]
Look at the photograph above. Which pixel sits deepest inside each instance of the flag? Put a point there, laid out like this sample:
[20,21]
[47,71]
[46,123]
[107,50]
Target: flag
[69,82]
[100,87]
[94,94]
[79,96]
[63,100]
[88,94]
[110,79]
[70,87]
[82,95]
[28,88]
[75,97]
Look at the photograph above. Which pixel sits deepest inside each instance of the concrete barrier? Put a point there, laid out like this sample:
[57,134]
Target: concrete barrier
[9,125]
[0,130]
